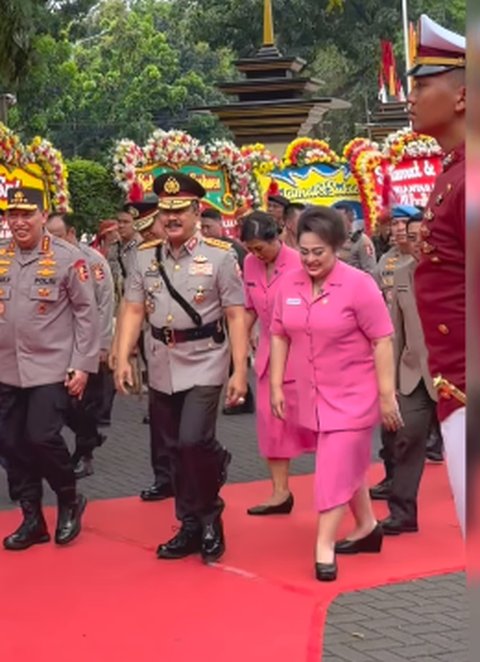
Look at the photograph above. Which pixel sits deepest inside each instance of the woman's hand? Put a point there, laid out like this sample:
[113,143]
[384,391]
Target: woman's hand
[391,416]
[277,401]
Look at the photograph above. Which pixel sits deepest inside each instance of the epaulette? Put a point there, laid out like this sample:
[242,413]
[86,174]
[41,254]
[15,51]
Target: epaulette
[149,244]
[217,243]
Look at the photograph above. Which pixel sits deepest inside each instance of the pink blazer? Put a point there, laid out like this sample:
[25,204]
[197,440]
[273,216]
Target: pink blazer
[260,297]
[331,351]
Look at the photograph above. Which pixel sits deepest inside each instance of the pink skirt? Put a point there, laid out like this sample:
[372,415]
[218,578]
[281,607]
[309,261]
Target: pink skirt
[281,439]
[342,462]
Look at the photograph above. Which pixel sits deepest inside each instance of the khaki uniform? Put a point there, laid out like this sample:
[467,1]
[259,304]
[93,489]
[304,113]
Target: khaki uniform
[48,315]
[186,377]
[48,325]
[385,270]
[208,278]
[104,292]
[358,251]
[417,397]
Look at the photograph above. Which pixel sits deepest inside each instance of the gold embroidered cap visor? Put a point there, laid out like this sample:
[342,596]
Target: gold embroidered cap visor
[143,223]
[25,199]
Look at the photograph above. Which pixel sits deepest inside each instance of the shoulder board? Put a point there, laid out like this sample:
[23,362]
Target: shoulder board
[217,243]
[149,244]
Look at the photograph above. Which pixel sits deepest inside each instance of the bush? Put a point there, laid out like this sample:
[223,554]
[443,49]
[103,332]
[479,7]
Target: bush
[94,195]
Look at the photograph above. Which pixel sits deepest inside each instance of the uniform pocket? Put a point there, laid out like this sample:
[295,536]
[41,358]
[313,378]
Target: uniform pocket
[44,293]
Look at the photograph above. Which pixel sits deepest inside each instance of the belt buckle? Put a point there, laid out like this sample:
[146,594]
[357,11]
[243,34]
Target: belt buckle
[169,335]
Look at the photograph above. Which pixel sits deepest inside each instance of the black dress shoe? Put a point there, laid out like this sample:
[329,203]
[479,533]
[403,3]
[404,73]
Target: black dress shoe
[83,468]
[32,531]
[157,493]
[213,542]
[392,526]
[69,522]
[187,541]
[371,544]
[381,492]
[326,572]
[284,508]
[434,456]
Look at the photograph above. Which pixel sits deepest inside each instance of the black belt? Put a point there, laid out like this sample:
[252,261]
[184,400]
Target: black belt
[171,336]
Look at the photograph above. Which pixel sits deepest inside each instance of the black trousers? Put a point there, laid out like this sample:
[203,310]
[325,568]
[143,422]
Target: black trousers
[184,424]
[32,444]
[418,410]
[83,417]
[159,454]
[108,393]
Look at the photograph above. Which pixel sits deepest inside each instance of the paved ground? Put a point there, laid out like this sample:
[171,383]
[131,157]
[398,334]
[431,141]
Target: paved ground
[424,621]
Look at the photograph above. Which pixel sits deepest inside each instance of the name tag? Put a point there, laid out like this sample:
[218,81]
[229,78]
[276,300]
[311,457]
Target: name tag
[403,288]
[294,302]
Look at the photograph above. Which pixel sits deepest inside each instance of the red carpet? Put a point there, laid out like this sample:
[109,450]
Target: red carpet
[107,599]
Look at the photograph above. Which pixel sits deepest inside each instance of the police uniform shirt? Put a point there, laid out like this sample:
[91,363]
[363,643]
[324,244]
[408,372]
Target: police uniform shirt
[207,275]
[385,270]
[104,292]
[440,285]
[359,252]
[48,314]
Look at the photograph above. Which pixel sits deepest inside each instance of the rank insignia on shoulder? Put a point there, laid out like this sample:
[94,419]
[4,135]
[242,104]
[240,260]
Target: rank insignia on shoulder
[81,268]
[217,243]
[98,272]
[429,215]
[149,244]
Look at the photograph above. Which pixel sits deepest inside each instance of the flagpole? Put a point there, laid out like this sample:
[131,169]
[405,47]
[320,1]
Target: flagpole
[406,42]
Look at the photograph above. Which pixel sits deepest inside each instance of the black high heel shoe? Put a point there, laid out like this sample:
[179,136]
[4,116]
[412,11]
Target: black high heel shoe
[326,572]
[284,508]
[371,544]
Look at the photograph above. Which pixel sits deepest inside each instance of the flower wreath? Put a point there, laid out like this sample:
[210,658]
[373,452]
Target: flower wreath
[41,152]
[261,159]
[309,151]
[364,160]
[177,148]
[409,144]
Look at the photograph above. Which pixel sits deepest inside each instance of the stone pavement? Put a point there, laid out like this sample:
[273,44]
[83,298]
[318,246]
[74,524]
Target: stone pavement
[424,621]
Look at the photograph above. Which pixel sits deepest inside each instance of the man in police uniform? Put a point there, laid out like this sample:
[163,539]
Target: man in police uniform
[84,414]
[186,287]
[49,342]
[437,108]
[398,256]
[417,396]
[358,251]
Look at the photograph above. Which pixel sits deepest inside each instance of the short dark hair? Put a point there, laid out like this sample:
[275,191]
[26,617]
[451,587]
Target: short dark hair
[212,214]
[413,219]
[326,223]
[344,206]
[259,225]
[294,206]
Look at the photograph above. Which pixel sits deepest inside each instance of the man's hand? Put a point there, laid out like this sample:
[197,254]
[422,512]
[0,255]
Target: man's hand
[75,383]
[124,381]
[112,358]
[236,390]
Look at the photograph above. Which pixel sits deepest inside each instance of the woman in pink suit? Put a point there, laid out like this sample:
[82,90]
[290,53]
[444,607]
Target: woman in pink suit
[279,440]
[331,323]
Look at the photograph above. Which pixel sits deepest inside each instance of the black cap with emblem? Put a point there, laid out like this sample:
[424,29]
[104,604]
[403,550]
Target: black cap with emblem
[25,199]
[143,211]
[177,191]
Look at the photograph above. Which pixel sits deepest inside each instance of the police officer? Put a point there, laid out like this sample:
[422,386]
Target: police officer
[358,251]
[147,225]
[437,106]
[49,342]
[84,414]
[187,287]
[397,256]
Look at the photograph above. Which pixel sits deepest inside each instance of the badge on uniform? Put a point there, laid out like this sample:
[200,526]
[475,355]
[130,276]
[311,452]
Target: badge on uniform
[201,269]
[98,272]
[43,292]
[199,296]
[46,273]
[42,308]
[81,268]
[294,302]
[200,259]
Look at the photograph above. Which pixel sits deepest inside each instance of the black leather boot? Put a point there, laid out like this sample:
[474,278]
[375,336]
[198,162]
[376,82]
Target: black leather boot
[157,493]
[187,541]
[83,468]
[69,522]
[213,541]
[32,531]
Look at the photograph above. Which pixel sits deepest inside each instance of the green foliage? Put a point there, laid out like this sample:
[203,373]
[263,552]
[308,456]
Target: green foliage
[94,196]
